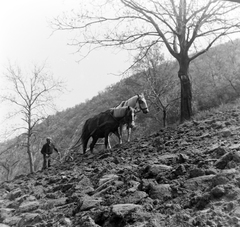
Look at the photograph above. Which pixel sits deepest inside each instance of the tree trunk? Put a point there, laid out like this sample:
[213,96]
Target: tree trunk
[164,117]
[30,156]
[186,91]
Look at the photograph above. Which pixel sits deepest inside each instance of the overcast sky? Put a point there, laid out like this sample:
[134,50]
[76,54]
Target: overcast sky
[26,40]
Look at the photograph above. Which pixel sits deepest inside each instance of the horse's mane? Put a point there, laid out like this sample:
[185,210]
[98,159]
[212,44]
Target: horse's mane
[132,101]
[120,105]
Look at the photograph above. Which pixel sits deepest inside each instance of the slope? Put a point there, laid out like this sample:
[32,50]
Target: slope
[187,175]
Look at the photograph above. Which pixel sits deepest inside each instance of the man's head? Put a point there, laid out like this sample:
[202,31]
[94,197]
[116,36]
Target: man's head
[48,140]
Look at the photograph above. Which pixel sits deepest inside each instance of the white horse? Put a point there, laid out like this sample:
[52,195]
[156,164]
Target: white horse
[139,103]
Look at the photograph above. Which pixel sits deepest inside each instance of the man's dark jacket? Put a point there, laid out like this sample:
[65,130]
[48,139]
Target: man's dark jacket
[48,149]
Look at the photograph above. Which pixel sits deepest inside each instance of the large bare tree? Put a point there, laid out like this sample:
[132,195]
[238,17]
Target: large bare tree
[31,96]
[188,28]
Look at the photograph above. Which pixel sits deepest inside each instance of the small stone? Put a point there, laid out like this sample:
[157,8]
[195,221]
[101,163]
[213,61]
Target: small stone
[196,173]
[236,156]
[15,194]
[180,170]
[219,180]
[225,133]
[217,191]
[210,171]
[66,222]
[237,212]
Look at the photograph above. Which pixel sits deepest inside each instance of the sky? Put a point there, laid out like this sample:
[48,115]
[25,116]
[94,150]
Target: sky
[27,39]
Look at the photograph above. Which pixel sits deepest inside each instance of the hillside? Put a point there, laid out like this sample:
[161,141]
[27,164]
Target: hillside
[186,175]
[215,80]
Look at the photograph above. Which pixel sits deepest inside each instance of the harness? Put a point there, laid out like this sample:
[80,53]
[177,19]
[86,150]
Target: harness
[112,115]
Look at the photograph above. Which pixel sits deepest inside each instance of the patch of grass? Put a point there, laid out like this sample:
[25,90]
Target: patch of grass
[225,107]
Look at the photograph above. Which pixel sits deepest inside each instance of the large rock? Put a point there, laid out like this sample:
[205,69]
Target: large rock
[123,209]
[135,197]
[28,206]
[12,221]
[84,185]
[3,225]
[6,212]
[225,132]
[51,203]
[216,151]
[219,180]
[161,191]
[29,219]
[89,202]
[155,169]
[199,182]
[196,172]
[222,162]
[88,222]
[167,157]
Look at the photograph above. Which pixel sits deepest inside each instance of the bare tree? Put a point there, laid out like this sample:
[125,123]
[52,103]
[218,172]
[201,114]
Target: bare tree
[32,97]
[159,84]
[188,28]
[8,161]
[8,165]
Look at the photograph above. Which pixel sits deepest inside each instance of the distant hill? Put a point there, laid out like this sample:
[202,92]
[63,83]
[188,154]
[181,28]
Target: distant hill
[215,80]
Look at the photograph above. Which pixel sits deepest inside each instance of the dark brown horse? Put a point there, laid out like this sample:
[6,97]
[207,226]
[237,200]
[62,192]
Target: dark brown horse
[104,123]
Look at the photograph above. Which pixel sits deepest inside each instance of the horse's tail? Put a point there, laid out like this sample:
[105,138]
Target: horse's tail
[85,133]
[77,144]
[79,141]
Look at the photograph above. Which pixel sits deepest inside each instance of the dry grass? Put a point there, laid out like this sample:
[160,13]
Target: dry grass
[222,108]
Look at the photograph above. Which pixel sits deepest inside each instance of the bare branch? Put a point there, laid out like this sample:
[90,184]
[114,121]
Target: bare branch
[32,96]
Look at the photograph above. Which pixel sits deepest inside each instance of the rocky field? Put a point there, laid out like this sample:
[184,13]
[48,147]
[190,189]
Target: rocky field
[187,175]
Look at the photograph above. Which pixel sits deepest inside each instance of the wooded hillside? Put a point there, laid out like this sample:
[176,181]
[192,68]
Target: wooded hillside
[215,79]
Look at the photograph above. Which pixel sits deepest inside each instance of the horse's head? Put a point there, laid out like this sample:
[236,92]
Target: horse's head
[142,103]
[130,117]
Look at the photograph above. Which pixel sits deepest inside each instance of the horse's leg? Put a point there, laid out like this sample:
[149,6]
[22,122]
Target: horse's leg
[120,134]
[109,144]
[129,130]
[84,148]
[117,135]
[84,144]
[95,138]
[106,141]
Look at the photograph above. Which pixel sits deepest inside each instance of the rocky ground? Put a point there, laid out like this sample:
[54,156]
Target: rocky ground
[183,176]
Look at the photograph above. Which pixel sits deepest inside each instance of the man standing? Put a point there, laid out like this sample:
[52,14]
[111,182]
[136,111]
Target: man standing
[47,150]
